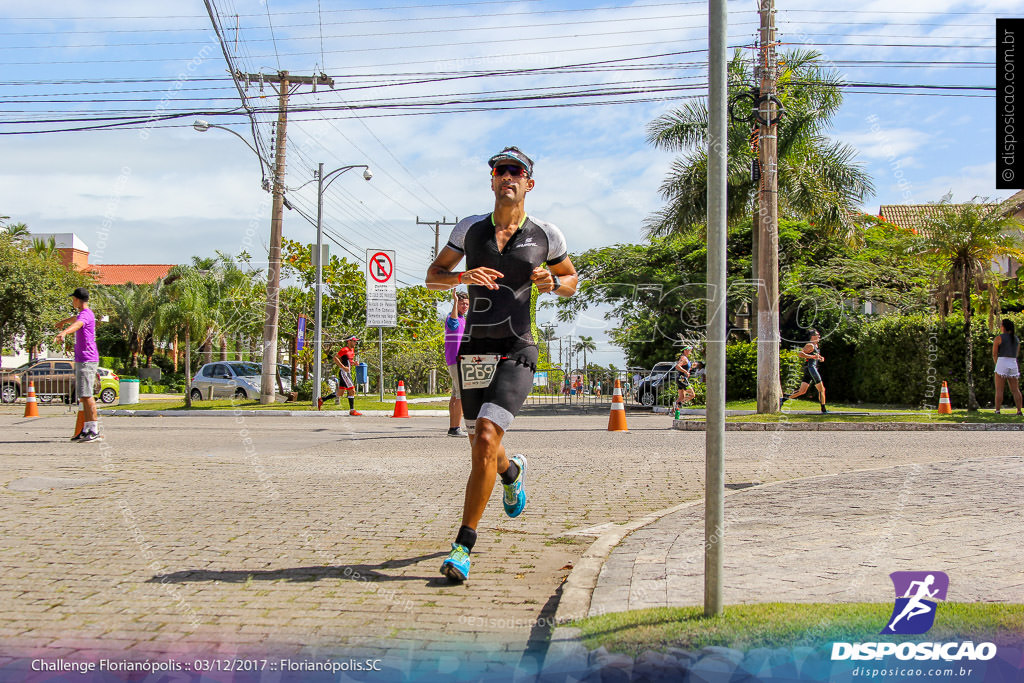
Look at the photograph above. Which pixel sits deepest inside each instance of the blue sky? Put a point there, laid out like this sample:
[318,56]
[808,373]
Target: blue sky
[165,192]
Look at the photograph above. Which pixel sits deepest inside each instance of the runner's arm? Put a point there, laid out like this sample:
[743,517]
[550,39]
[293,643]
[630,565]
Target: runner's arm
[544,278]
[995,349]
[441,276]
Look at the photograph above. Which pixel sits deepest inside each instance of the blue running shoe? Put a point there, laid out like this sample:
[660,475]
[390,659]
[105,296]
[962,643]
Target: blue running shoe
[515,493]
[456,567]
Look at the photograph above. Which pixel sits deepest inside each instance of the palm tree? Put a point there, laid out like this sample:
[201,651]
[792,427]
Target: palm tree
[45,248]
[132,307]
[546,335]
[583,345]
[817,177]
[969,237]
[185,310]
[18,231]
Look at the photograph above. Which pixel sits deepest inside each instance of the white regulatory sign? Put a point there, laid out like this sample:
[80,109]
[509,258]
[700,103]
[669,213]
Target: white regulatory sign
[381,294]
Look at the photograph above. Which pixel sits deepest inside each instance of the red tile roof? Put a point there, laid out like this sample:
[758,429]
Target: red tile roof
[123,273]
[907,216]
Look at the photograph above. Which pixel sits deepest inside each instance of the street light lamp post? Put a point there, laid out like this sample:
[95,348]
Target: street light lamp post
[318,335]
[270,326]
[269,361]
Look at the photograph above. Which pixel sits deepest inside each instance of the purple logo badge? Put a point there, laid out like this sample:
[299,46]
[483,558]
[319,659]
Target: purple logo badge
[916,596]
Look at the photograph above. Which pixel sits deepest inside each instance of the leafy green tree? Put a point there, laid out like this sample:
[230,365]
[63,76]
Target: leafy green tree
[968,238]
[34,291]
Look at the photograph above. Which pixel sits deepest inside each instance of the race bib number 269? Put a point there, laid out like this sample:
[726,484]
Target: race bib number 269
[477,372]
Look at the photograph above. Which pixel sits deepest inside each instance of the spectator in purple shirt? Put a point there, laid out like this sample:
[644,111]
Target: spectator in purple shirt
[87,360]
[454,327]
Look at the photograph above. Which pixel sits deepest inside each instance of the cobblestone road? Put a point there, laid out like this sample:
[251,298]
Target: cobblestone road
[323,535]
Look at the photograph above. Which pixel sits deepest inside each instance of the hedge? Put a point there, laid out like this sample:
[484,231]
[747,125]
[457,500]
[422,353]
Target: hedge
[903,360]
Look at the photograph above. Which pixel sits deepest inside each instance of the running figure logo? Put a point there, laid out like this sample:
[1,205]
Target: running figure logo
[916,596]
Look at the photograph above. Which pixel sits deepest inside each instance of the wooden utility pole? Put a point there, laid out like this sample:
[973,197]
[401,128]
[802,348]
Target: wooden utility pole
[437,232]
[284,82]
[769,389]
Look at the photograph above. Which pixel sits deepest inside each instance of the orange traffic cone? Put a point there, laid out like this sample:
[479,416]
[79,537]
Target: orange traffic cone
[617,417]
[79,423]
[945,407]
[31,407]
[401,407]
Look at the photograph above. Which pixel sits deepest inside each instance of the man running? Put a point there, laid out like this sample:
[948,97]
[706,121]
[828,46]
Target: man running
[87,361]
[504,253]
[811,357]
[344,359]
[683,367]
[454,328]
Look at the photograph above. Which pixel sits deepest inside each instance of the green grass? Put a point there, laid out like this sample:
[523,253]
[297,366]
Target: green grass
[801,404]
[958,416]
[362,403]
[787,625]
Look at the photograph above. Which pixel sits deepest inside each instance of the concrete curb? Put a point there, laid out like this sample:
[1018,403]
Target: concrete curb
[579,586]
[697,426]
[228,412]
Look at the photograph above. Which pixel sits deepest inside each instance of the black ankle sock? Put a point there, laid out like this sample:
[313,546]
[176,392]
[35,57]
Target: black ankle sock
[823,407]
[351,403]
[466,537]
[509,475]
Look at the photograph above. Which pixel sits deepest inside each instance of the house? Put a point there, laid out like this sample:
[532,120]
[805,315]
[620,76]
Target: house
[913,217]
[74,252]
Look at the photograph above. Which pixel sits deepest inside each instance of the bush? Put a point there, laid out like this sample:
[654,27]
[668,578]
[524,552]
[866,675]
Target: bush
[305,389]
[741,370]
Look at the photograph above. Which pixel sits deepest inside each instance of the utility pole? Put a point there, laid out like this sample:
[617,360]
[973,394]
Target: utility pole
[769,389]
[437,232]
[285,83]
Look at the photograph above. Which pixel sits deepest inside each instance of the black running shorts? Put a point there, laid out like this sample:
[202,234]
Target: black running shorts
[811,374]
[513,380]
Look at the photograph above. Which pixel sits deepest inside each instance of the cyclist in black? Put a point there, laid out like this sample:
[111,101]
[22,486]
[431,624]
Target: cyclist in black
[505,252]
[809,353]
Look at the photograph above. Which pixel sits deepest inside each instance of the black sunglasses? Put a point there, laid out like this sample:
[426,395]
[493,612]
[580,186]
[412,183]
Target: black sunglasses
[513,170]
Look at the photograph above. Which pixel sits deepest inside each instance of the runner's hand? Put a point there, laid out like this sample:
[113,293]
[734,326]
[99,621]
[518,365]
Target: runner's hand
[482,276]
[544,280]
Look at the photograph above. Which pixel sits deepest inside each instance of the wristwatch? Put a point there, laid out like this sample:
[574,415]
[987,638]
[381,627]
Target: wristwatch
[557,281]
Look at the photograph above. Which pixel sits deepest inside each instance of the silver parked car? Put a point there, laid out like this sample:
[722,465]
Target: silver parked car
[227,379]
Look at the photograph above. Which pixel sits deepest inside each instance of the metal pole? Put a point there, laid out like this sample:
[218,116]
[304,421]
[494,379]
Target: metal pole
[318,343]
[380,384]
[715,353]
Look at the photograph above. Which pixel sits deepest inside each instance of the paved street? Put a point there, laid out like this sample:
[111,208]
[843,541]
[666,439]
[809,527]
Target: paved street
[323,535]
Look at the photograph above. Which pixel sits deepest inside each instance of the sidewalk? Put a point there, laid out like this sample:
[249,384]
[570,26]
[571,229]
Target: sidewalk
[835,538]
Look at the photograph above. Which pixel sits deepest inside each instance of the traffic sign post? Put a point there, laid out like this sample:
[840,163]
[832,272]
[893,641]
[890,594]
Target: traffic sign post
[381,298]
[381,294]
